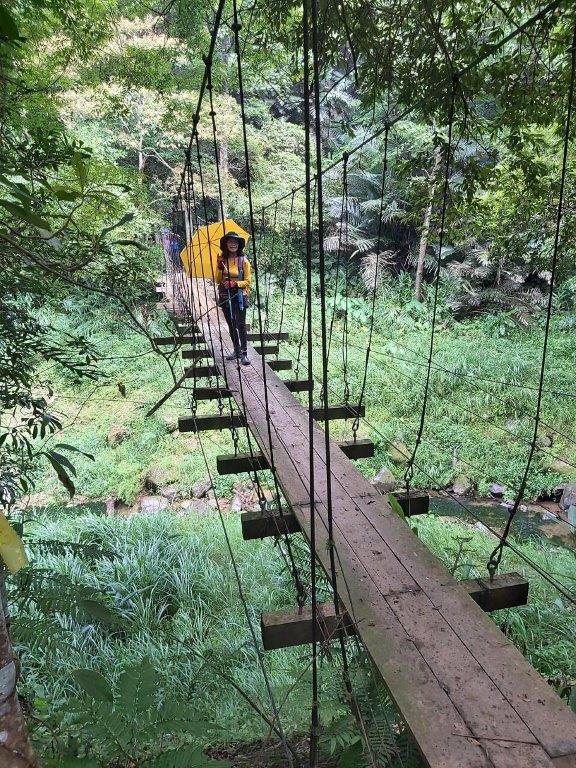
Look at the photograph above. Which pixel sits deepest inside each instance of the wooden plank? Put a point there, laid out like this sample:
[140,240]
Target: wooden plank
[268,336]
[168,341]
[285,629]
[205,423]
[289,627]
[256,527]
[201,371]
[507,590]
[210,393]
[267,349]
[298,385]
[196,354]
[340,411]
[232,464]
[357,449]
[280,365]
[271,522]
[415,503]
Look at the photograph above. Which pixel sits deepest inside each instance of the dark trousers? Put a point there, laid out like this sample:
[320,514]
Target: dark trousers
[235,318]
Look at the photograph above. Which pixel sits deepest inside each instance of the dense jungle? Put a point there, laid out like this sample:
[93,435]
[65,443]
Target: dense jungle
[447,270]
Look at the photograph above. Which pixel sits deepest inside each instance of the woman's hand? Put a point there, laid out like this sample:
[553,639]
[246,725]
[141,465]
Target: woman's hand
[230,284]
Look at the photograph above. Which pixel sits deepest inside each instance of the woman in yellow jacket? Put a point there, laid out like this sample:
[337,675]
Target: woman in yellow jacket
[234,275]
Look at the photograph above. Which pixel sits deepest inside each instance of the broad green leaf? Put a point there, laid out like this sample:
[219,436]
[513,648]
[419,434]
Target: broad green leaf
[74,449]
[124,220]
[351,757]
[137,686]
[133,243]
[184,757]
[94,684]
[8,27]
[61,473]
[101,612]
[80,168]
[26,215]
[395,504]
[64,461]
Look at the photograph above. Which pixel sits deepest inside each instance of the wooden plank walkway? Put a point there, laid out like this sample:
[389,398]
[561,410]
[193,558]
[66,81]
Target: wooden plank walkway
[468,696]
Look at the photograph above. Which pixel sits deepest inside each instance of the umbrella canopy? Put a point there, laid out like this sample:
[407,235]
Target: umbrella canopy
[200,256]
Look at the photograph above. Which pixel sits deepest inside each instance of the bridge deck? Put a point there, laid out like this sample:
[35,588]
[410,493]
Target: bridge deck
[468,696]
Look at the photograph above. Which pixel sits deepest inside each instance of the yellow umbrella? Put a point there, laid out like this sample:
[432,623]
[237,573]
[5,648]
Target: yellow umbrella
[200,256]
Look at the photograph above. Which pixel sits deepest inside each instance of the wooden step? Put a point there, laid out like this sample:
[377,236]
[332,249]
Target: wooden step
[357,449]
[288,628]
[268,336]
[341,411]
[168,341]
[298,385]
[280,365]
[417,503]
[196,354]
[258,525]
[232,464]
[201,371]
[267,349]
[210,393]
[206,423]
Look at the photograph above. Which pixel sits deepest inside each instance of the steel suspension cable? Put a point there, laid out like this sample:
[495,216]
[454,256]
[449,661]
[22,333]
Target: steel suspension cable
[446,185]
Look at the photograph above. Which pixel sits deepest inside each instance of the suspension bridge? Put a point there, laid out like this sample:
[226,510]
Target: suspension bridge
[467,695]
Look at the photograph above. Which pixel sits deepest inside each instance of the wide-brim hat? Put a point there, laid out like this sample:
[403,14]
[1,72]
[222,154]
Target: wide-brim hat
[232,236]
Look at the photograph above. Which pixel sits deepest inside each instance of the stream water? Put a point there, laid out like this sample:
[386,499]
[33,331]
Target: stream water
[535,521]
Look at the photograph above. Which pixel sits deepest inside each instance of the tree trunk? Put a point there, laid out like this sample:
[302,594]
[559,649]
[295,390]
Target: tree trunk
[433,180]
[141,157]
[15,748]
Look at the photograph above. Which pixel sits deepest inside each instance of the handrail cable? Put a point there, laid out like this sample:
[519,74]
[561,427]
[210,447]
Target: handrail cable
[496,555]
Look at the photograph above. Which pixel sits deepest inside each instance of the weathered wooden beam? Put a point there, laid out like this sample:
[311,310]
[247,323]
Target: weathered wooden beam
[268,336]
[298,385]
[255,527]
[232,464]
[205,423]
[261,525]
[506,591]
[417,503]
[280,365]
[287,628]
[340,411]
[284,629]
[357,449]
[201,371]
[196,354]
[267,349]
[210,393]
[168,341]
[160,305]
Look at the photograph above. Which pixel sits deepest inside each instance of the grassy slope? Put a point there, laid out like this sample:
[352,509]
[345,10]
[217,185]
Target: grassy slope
[473,426]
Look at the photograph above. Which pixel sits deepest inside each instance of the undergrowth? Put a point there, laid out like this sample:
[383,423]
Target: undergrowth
[154,598]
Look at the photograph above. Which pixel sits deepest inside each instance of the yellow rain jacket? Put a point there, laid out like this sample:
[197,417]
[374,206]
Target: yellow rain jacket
[230,272]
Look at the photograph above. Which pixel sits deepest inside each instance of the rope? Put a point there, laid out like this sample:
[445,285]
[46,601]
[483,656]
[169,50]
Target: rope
[356,422]
[314,716]
[496,555]
[409,469]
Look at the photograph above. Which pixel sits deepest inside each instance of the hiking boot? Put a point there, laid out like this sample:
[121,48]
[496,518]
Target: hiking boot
[233,356]
[244,359]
